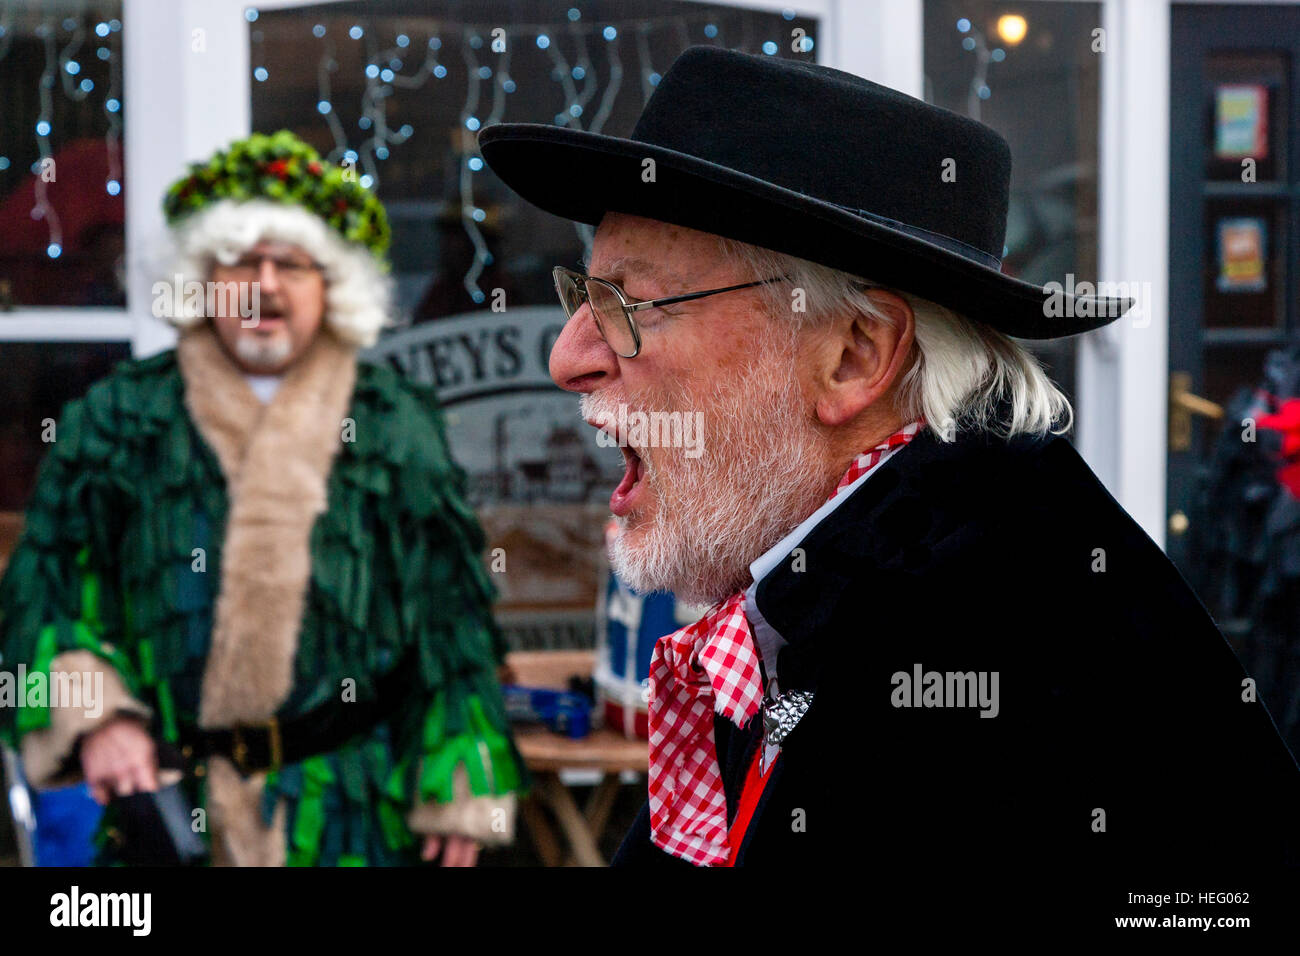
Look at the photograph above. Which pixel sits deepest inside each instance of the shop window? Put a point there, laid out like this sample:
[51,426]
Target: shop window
[61,162]
[1033,73]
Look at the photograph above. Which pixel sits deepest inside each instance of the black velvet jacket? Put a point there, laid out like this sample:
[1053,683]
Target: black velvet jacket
[1122,742]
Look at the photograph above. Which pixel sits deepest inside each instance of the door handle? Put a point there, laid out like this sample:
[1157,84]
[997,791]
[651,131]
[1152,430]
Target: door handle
[1182,406]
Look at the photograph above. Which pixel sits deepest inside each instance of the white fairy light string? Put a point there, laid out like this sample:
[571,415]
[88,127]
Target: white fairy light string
[470,214]
[63,69]
[612,87]
[44,126]
[583,69]
[382,82]
[503,86]
[69,68]
[386,72]
[643,59]
[327,66]
[112,106]
[562,73]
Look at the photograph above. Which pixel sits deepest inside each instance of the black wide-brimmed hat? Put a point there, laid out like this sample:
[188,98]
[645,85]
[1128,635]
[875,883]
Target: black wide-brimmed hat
[812,162]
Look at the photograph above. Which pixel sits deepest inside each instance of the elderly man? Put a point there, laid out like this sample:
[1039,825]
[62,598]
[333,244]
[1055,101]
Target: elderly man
[936,642]
[262,551]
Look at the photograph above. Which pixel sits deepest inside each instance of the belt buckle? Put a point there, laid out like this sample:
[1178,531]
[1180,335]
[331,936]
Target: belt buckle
[239,748]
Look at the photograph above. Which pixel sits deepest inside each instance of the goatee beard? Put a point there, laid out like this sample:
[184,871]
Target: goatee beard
[761,472]
[263,354]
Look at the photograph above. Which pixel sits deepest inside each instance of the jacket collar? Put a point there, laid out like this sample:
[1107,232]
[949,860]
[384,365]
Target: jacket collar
[913,499]
[770,642]
[276,461]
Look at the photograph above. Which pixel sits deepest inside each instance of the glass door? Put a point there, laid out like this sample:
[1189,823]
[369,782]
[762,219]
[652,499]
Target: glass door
[1235,243]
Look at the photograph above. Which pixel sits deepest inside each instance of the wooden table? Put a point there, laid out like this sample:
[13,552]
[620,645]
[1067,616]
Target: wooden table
[547,754]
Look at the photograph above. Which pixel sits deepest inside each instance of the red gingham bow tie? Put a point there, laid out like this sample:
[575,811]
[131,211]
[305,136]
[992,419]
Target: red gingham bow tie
[710,666]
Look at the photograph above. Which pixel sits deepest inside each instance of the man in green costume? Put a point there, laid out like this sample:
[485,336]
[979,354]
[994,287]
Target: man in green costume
[264,549]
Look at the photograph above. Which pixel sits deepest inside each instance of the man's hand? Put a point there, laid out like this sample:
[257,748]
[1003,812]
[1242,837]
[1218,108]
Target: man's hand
[459,851]
[119,759]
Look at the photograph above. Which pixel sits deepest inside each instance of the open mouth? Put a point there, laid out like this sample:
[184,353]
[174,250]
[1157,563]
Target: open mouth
[623,499]
[270,308]
[620,502]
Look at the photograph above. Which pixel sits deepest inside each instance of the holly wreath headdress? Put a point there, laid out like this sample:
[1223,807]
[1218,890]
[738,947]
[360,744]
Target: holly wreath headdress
[283,168]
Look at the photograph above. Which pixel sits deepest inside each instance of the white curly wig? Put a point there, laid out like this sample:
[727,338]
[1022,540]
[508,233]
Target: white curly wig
[358,294]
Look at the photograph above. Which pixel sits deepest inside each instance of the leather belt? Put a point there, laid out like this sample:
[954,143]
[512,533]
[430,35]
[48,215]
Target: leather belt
[255,748]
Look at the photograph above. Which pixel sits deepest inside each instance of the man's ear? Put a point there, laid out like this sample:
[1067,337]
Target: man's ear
[864,357]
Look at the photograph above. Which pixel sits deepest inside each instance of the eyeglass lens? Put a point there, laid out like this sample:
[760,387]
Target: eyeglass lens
[252,264]
[607,310]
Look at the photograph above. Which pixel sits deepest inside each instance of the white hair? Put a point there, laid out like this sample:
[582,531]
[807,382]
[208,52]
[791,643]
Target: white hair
[358,293]
[962,369]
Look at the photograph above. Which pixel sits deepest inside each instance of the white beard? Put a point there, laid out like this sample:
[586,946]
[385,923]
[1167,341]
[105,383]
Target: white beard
[263,353]
[761,472]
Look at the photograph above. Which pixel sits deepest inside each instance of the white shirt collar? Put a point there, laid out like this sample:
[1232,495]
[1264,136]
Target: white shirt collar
[769,641]
[264,386]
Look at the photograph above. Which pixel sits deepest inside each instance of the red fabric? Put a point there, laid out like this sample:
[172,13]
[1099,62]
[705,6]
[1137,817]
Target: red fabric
[868,459]
[755,782]
[1287,421]
[710,666]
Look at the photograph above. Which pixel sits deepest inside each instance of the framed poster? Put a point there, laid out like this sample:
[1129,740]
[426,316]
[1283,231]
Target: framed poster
[1242,242]
[1241,121]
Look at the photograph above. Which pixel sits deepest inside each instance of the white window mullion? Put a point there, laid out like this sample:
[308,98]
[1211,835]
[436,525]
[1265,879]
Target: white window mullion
[186,78]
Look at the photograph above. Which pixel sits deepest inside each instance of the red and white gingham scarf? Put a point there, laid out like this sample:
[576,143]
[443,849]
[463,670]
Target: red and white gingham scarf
[710,666]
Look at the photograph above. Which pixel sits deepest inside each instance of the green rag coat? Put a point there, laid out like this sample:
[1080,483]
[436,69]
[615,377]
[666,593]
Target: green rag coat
[107,563]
